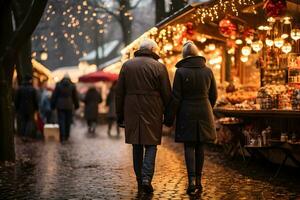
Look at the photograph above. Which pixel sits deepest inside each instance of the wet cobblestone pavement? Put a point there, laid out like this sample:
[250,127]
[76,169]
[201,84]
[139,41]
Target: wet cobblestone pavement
[100,167]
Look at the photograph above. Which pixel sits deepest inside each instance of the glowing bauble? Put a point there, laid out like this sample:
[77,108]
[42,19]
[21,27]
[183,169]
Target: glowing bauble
[257,45]
[244,59]
[279,42]
[246,50]
[295,34]
[269,42]
[286,48]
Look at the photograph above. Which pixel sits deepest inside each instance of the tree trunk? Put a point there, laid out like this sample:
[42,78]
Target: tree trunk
[7,148]
[160,10]
[125,22]
[10,44]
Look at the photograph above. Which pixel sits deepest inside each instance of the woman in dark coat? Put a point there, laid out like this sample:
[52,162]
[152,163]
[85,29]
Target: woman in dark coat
[194,95]
[91,100]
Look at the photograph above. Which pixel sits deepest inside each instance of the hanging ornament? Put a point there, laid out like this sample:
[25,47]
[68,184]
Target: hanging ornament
[287,47]
[227,28]
[188,33]
[239,41]
[278,42]
[257,46]
[295,34]
[275,8]
[246,50]
[244,59]
[269,42]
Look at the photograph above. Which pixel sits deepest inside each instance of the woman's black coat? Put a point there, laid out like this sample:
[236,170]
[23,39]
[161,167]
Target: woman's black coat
[194,95]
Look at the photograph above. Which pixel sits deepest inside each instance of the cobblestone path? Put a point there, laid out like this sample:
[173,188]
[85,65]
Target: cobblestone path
[100,167]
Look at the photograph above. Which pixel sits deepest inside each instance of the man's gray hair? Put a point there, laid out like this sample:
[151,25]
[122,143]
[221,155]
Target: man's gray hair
[149,44]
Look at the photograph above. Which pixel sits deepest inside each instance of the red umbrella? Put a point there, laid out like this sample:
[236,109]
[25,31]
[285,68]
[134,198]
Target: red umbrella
[98,76]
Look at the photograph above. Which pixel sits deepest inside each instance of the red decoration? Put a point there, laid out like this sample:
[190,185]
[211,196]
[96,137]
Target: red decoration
[189,32]
[275,8]
[227,28]
[248,32]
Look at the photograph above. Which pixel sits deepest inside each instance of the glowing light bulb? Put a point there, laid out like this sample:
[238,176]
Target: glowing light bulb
[278,42]
[257,45]
[246,50]
[269,42]
[295,34]
[244,59]
[286,48]
[239,41]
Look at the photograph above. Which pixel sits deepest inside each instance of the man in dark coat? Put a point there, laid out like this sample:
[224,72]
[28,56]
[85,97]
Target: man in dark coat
[143,91]
[26,104]
[194,95]
[91,101]
[64,100]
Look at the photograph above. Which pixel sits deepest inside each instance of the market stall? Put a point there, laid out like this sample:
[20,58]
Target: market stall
[253,48]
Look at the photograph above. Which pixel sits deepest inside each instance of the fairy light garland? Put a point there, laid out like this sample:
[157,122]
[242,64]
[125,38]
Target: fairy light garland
[213,13]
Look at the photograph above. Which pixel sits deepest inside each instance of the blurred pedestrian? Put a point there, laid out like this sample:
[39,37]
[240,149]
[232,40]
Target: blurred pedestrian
[26,104]
[91,101]
[45,104]
[193,97]
[143,91]
[111,103]
[65,100]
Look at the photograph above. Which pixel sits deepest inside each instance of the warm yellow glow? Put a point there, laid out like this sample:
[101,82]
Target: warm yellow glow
[212,47]
[246,50]
[257,46]
[269,42]
[286,48]
[239,41]
[244,59]
[44,56]
[278,42]
[295,34]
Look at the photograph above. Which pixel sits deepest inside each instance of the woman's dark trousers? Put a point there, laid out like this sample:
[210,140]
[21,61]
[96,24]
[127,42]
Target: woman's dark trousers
[194,158]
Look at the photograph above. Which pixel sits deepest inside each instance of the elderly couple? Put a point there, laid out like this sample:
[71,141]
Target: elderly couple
[144,102]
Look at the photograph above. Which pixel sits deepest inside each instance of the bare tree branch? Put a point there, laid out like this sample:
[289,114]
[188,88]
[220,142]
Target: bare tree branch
[110,12]
[25,30]
[136,5]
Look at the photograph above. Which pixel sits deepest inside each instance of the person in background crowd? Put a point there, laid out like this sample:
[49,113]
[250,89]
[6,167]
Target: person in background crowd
[26,104]
[143,91]
[64,100]
[91,101]
[45,104]
[194,95]
[111,103]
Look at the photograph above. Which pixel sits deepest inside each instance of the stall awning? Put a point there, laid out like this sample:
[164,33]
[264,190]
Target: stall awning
[98,76]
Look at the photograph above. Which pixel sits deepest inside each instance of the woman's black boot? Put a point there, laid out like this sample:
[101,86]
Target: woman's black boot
[198,183]
[191,187]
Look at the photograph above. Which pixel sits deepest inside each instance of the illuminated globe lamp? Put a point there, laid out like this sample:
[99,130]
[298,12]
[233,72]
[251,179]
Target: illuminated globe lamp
[246,50]
[295,34]
[286,48]
[269,42]
[239,41]
[257,46]
[278,42]
[244,59]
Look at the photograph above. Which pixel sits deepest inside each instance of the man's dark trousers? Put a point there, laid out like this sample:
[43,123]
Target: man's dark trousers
[144,161]
[64,121]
